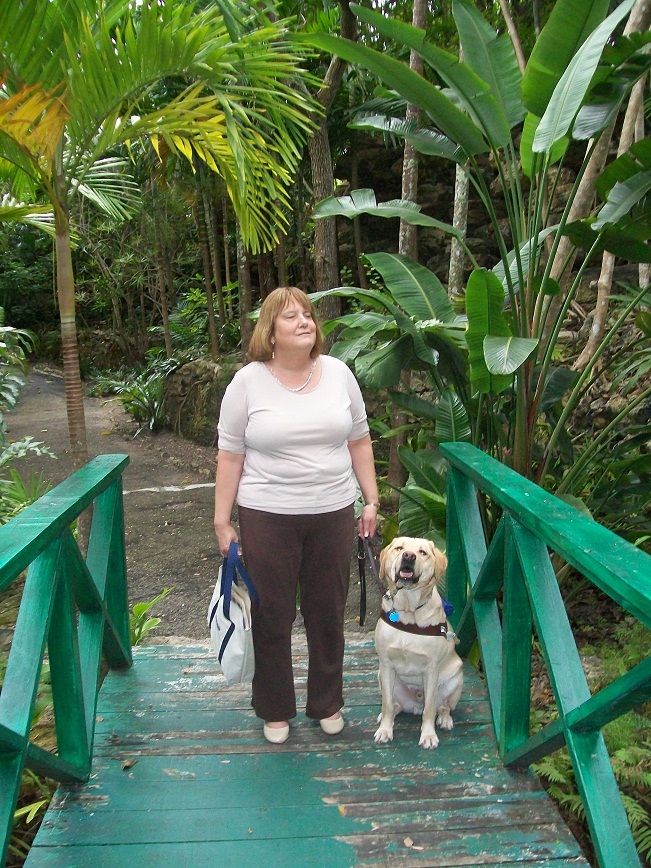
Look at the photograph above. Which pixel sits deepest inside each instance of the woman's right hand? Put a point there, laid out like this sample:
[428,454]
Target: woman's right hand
[225,534]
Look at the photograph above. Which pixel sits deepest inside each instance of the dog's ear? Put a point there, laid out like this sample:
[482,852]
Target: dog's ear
[440,562]
[383,562]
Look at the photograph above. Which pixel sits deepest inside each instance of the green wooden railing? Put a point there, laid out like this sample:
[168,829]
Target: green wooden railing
[502,593]
[75,609]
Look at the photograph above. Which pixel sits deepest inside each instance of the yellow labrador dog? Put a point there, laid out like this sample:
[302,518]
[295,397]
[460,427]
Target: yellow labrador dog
[420,671]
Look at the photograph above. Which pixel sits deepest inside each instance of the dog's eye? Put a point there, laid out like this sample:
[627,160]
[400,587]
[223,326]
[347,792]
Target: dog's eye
[399,548]
[423,552]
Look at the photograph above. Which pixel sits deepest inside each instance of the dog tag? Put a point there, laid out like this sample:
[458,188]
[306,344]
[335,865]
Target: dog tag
[393,616]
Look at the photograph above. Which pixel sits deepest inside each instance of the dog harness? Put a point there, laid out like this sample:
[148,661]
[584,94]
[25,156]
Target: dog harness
[432,630]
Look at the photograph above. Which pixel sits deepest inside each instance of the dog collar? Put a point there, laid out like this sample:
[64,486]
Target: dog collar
[433,630]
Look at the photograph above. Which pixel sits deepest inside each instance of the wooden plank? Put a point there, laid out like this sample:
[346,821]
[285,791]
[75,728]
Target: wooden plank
[186,778]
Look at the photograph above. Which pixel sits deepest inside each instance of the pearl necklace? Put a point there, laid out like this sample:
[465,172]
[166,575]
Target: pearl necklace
[298,388]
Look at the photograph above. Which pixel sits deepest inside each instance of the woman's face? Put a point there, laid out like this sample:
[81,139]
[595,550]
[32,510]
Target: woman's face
[294,328]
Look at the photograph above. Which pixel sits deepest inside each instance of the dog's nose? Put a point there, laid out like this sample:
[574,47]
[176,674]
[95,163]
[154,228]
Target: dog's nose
[408,557]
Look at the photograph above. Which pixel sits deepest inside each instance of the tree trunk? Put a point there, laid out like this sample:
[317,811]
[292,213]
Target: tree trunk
[69,346]
[213,242]
[513,34]
[634,109]
[407,246]
[244,281]
[162,288]
[460,222]
[639,20]
[281,259]
[202,230]
[326,259]
[266,273]
[357,226]
[227,251]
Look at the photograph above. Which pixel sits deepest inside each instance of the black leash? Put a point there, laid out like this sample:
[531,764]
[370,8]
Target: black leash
[365,550]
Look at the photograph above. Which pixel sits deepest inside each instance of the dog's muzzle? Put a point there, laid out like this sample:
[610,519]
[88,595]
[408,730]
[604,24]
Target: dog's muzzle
[405,573]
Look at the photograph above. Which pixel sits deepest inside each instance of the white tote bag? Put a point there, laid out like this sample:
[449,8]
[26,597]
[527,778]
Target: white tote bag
[229,619]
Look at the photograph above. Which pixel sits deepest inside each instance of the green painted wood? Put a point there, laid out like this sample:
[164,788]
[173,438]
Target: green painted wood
[516,649]
[620,569]
[182,775]
[535,522]
[29,533]
[77,609]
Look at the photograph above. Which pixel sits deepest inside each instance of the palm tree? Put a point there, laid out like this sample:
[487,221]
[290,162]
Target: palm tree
[81,79]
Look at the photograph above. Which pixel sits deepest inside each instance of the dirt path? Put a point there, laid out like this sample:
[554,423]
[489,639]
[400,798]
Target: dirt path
[168,503]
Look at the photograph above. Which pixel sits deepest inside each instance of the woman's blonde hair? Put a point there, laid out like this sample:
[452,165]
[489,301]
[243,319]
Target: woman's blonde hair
[261,347]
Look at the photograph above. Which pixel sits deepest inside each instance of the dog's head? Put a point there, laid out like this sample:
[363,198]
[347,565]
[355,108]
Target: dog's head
[409,562]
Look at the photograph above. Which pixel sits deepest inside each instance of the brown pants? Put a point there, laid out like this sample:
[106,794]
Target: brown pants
[312,552]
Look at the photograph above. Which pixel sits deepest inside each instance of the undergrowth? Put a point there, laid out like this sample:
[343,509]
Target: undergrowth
[628,740]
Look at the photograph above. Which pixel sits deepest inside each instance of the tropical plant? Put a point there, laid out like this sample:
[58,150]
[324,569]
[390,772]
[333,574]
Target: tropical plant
[81,78]
[519,398]
[140,622]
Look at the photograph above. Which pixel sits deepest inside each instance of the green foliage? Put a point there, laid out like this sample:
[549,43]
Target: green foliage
[141,393]
[35,795]
[14,345]
[627,738]
[517,398]
[140,622]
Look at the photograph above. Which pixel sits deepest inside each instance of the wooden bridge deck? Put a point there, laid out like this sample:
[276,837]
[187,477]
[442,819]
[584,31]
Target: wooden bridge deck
[182,776]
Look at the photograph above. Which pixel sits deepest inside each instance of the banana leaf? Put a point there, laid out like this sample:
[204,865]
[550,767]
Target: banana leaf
[415,405]
[570,91]
[505,354]
[637,159]
[492,57]
[417,289]
[413,87]
[484,306]
[622,199]
[569,24]
[473,93]
[452,423]
[626,239]
[364,202]
[381,368]
[429,142]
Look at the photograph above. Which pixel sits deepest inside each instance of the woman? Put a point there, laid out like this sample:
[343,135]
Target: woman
[293,436]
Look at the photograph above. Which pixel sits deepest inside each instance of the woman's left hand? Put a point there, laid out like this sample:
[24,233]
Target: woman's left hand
[367,522]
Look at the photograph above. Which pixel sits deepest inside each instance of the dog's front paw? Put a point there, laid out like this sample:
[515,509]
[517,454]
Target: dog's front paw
[428,740]
[383,735]
[444,719]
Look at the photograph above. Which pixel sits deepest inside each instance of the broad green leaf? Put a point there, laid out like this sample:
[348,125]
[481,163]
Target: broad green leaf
[415,405]
[452,423]
[484,307]
[627,239]
[422,467]
[637,159]
[622,198]
[418,511]
[472,92]
[429,142]
[348,350]
[570,23]
[526,145]
[364,202]
[413,87]
[492,57]
[504,355]
[559,382]
[570,91]
[521,257]
[622,64]
[381,368]
[417,289]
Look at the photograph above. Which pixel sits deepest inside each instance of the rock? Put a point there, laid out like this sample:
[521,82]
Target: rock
[193,397]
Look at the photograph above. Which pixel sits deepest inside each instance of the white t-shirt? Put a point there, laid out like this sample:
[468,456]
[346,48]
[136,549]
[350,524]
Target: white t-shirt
[295,443]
